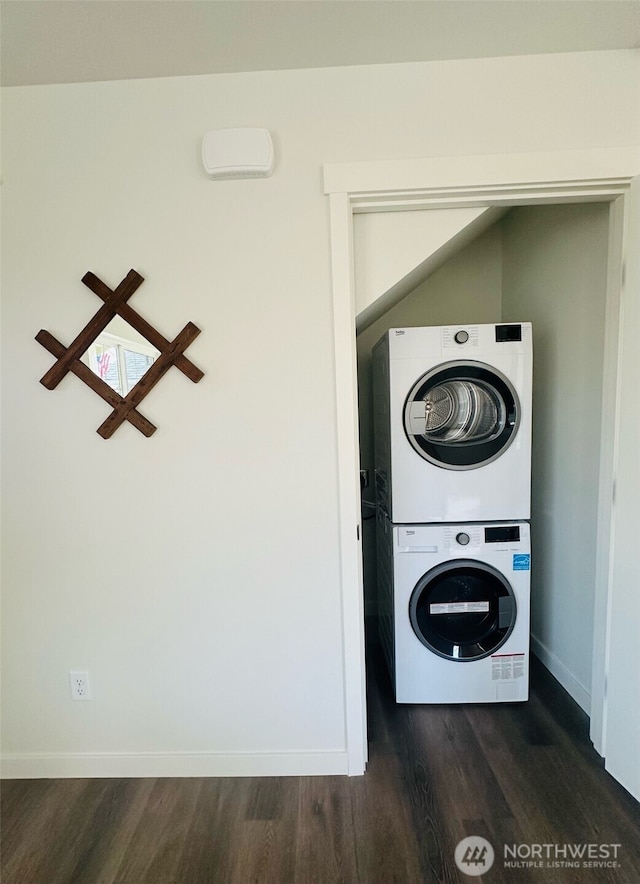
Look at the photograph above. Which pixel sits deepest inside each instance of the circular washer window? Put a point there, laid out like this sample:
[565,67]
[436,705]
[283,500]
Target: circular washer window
[463,610]
[461,415]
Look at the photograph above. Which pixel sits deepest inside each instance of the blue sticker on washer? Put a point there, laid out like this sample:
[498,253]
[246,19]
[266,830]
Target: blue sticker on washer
[522,562]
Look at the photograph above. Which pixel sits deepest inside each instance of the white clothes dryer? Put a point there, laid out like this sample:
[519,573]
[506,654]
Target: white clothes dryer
[454,611]
[452,422]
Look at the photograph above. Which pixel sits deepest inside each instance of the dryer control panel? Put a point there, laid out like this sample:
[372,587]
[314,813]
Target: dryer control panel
[512,337]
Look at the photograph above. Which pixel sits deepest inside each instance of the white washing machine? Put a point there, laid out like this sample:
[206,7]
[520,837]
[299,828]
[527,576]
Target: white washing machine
[452,422]
[454,611]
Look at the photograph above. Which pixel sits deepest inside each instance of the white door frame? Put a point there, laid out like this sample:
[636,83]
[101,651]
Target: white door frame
[446,182]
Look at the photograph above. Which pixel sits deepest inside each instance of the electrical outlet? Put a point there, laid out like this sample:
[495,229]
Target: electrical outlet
[80,687]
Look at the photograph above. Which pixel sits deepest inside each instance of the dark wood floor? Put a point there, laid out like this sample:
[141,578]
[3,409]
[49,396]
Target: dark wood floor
[514,773]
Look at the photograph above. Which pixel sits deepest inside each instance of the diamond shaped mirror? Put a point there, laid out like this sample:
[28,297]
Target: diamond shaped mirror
[115,354]
[120,356]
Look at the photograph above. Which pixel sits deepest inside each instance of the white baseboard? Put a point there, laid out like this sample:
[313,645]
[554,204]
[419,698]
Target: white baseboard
[560,672]
[59,765]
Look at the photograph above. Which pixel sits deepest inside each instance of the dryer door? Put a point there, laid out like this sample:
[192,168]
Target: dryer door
[461,415]
[463,610]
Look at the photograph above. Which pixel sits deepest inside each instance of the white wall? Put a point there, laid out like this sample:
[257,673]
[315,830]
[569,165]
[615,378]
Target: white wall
[394,252]
[195,574]
[555,275]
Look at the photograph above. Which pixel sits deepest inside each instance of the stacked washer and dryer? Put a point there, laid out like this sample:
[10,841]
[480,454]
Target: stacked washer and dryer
[452,440]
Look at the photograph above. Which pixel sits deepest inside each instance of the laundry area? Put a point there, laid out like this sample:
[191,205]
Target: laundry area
[481,562]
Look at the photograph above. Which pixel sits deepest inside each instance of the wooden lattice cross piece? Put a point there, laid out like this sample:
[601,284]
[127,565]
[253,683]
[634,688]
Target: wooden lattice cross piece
[68,359]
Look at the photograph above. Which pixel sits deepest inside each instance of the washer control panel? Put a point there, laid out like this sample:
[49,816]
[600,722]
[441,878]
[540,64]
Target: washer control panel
[459,541]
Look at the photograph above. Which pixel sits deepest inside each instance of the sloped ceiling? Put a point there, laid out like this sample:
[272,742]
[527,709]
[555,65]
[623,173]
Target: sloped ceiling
[65,41]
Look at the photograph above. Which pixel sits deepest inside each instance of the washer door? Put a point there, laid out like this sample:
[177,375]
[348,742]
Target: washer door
[463,610]
[461,415]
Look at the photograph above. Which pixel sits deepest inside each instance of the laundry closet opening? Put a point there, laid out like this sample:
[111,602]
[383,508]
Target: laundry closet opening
[544,264]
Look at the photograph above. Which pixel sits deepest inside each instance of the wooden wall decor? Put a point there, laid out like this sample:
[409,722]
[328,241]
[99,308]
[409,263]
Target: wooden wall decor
[68,359]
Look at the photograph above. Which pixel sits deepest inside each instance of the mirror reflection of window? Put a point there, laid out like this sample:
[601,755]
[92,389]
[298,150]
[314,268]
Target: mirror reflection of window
[135,366]
[120,356]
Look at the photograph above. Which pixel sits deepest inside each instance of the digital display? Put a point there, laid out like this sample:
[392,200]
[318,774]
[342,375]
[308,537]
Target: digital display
[502,534]
[508,333]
